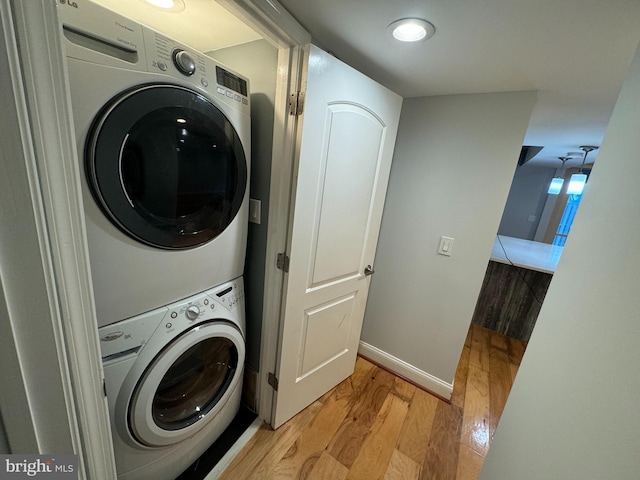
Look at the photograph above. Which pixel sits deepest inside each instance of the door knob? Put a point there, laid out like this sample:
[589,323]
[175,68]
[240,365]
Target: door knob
[368,270]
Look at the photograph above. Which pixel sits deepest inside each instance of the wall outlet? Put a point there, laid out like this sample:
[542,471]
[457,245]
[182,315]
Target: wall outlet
[255,210]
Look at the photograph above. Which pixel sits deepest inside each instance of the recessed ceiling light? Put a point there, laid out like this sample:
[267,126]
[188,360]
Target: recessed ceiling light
[167,5]
[162,3]
[411,29]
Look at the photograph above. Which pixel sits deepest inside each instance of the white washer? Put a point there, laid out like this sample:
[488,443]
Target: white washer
[163,136]
[173,381]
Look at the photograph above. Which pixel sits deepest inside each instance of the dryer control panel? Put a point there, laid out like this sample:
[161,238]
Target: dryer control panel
[97,34]
[165,55]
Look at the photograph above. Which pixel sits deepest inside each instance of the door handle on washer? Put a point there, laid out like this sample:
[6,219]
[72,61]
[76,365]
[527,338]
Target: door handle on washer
[368,270]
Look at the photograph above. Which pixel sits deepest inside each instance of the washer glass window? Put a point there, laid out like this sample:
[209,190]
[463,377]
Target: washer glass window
[166,166]
[194,383]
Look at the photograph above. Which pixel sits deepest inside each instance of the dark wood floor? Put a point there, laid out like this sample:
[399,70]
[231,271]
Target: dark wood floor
[375,425]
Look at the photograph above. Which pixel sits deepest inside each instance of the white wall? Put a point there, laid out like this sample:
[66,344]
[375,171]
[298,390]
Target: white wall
[527,196]
[259,61]
[453,164]
[573,410]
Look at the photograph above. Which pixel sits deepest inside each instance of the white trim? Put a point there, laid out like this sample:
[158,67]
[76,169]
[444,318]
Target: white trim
[286,136]
[16,216]
[271,20]
[406,370]
[238,445]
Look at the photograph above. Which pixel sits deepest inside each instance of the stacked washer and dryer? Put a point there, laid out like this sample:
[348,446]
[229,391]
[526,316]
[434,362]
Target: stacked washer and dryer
[163,136]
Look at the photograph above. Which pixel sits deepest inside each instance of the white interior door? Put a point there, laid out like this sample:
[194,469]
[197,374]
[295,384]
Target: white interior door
[348,135]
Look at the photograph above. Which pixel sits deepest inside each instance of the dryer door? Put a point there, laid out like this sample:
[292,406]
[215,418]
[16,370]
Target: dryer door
[166,166]
[187,384]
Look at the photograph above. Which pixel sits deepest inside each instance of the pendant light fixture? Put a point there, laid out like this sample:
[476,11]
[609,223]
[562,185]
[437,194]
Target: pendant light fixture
[578,180]
[556,182]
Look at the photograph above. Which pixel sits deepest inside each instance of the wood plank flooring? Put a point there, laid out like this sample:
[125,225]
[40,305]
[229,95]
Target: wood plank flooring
[375,425]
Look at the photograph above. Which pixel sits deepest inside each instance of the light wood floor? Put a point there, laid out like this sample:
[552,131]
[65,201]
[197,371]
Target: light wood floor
[375,425]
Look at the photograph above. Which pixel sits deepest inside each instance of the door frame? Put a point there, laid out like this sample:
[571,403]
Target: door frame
[53,400]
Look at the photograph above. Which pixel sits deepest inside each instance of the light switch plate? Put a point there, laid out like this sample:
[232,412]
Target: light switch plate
[445,246]
[255,207]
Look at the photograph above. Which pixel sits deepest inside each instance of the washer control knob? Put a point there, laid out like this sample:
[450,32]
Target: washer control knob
[183,61]
[192,312]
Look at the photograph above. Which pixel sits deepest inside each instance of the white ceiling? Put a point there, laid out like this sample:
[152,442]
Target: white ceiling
[575,53]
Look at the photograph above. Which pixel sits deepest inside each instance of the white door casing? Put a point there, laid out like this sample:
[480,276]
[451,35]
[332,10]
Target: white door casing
[348,135]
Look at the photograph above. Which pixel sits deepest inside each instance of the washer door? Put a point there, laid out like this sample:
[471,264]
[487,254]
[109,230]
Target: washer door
[186,384]
[166,166]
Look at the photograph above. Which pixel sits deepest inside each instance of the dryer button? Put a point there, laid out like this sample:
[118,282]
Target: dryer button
[162,66]
[184,62]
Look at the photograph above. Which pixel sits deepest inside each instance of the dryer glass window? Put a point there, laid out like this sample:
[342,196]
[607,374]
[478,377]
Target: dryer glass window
[166,167]
[194,383]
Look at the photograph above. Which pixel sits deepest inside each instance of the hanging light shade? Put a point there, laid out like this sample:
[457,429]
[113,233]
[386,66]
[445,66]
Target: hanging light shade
[579,180]
[555,187]
[576,184]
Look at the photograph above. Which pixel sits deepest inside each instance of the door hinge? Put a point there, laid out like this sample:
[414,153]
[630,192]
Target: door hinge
[282,262]
[296,103]
[273,381]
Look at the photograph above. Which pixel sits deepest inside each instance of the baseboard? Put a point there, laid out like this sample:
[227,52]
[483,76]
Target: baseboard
[406,370]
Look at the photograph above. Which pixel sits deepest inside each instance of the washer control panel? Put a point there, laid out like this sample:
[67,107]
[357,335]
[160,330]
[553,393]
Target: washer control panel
[204,306]
[194,309]
[126,338]
[229,296]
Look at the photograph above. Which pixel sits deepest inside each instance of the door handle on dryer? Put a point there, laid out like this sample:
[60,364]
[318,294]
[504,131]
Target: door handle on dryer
[368,270]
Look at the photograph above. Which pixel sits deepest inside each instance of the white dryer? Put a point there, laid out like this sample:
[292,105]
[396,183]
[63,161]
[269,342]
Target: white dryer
[163,136]
[173,381]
